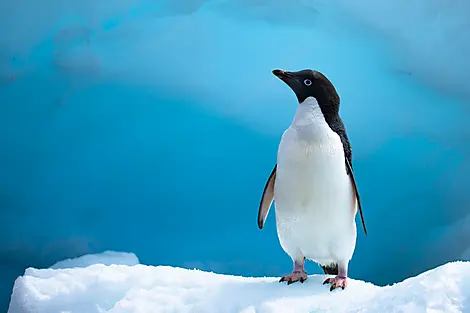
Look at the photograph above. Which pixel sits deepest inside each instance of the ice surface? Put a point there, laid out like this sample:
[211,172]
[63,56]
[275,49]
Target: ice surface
[147,289]
[105,258]
[151,126]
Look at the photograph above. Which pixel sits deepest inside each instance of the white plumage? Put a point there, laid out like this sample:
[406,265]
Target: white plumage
[314,200]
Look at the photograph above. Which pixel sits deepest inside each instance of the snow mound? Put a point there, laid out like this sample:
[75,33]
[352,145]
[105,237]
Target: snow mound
[146,289]
[105,258]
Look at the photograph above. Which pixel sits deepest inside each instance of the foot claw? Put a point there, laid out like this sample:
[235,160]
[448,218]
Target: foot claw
[336,282]
[294,277]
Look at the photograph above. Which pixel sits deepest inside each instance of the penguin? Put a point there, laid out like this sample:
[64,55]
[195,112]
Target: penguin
[312,185]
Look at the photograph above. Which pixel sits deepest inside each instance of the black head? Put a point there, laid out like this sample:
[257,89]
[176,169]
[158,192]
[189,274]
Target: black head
[309,83]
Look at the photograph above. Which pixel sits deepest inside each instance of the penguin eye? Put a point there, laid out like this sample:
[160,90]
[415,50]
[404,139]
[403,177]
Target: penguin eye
[307,82]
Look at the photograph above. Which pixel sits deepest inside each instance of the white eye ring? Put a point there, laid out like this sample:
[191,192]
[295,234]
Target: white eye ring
[307,82]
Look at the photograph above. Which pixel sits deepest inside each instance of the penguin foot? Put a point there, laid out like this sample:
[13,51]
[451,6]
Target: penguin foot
[294,277]
[336,282]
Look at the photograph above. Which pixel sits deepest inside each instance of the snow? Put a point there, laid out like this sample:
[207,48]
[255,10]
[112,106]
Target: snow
[105,258]
[153,289]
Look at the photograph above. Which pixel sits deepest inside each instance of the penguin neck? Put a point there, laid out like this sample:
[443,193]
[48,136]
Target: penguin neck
[309,114]
[310,123]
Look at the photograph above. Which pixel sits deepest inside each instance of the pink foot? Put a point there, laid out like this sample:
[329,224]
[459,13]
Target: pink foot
[294,277]
[336,282]
[298,274]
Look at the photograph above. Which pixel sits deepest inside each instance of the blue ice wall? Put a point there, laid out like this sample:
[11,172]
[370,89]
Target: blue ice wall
[151,128]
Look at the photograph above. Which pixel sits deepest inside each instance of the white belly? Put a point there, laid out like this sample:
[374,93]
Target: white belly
[314,201]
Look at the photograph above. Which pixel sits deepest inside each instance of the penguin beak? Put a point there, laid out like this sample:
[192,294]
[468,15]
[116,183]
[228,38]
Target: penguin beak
[288,77]
[281,74]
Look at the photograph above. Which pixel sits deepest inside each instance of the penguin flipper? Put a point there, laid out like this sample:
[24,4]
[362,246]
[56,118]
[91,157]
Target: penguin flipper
[353,182]
[266,199]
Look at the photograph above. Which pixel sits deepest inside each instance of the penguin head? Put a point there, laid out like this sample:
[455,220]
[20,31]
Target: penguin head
[310,83]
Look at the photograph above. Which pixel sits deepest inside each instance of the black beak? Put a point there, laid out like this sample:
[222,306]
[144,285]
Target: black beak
[285,76]
[281,74]
[288,77]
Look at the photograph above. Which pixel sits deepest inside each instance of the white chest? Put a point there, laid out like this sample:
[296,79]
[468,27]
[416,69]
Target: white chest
[313,195]
[310,158]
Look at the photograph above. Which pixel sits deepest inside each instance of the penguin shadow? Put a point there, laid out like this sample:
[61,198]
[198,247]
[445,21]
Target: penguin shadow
[266,294]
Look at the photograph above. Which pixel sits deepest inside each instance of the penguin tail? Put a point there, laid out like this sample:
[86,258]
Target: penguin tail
[331,269]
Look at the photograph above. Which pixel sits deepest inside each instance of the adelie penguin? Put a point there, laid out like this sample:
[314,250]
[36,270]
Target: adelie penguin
[312,185]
